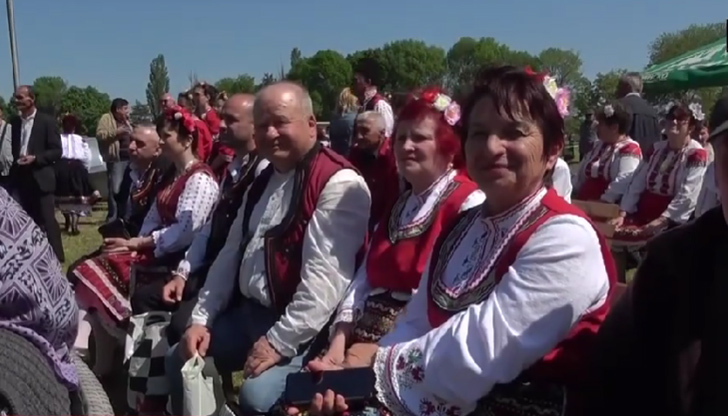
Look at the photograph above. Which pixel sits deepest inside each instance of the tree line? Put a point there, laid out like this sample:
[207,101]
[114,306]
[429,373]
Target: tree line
[405,65]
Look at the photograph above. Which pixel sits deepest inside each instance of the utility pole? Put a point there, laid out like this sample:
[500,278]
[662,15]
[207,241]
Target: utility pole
[13,43]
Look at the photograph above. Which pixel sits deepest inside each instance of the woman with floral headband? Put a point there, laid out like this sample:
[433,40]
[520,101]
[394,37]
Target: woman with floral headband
[606,171]
[182,206]
[429,157]
[665,188]
[508,306]
[218,155]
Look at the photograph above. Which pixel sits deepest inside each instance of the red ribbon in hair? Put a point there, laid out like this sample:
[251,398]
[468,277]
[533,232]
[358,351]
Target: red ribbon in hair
[538,75]
[180,114]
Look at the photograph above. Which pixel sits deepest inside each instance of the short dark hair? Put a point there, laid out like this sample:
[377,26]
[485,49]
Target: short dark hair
[511,89]
[620,116]
[118,103]
[369,68]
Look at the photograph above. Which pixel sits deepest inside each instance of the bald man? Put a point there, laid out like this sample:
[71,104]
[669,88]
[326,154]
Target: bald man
[181,291]
[292,252]
[167,101]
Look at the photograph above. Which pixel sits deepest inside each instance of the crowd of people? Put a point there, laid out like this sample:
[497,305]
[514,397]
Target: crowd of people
[434,245]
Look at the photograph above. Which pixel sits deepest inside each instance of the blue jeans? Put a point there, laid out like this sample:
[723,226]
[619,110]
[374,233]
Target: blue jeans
[114,176]
[232,337]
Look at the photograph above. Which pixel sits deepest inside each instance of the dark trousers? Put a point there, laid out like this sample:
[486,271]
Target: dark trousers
[41,207]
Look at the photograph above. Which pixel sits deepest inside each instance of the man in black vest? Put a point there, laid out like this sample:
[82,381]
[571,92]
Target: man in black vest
[645,128]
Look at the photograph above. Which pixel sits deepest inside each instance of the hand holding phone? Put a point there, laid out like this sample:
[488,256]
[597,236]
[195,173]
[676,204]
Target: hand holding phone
[355,385]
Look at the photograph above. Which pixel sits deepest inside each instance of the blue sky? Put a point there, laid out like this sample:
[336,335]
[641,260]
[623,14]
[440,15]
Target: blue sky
[109,43]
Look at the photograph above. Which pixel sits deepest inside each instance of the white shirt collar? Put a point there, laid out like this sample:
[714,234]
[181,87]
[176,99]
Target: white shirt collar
[30,116]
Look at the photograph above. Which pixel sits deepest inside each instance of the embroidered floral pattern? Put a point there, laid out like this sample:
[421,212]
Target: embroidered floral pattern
[475,278]
[399,371]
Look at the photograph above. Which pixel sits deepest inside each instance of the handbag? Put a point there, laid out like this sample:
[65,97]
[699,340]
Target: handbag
[144,353]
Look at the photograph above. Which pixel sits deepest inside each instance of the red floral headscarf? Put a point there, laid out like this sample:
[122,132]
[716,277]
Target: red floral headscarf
[181,115]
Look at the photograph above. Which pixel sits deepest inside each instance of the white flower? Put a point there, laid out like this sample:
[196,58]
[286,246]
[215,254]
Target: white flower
[697,111]
[441,102]
[178,116]
[608,110]
[551,86]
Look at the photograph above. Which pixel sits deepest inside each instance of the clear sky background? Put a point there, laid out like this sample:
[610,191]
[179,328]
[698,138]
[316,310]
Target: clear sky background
[109,43]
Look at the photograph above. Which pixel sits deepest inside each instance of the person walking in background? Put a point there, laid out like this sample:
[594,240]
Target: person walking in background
[341,129]
[36,146]
[74,193]
[645,128]
[114,135]
[6,152]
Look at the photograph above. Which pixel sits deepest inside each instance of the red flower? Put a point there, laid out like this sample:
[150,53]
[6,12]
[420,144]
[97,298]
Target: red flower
[429,96]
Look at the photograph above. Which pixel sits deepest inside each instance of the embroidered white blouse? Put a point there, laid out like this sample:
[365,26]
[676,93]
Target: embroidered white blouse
[193,211]
[195,255]
[616,163]
[75,147]
[333,237]
[669,172]
[561,179]
[417,208]
[558,277]
[709,196]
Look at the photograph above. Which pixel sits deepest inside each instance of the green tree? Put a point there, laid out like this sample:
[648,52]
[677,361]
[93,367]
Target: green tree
[49,92]
[377,55]
[672,44]
[88,104]
[140,113]
[158,84]
[243,83]
[267,79]
[295,57]
[564,65]
[325,74]
[468,55]
[412,63]
[7,108]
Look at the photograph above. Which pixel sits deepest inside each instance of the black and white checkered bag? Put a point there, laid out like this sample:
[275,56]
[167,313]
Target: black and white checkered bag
[146,346]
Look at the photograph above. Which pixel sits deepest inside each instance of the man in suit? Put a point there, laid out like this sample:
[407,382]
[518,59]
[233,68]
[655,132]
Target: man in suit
[36,147]
[645,128]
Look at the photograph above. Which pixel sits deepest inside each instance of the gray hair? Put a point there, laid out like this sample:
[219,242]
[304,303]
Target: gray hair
[633,81]
[373,117]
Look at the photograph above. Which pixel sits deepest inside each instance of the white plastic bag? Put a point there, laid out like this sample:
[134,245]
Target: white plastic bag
[199,391]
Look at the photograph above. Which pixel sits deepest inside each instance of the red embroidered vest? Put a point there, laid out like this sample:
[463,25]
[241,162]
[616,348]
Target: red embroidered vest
[168,198]
[284,242]
[369,106]
[397,258]
[566,363]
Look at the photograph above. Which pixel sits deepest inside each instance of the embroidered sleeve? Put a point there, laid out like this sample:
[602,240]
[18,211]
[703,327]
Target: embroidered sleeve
[219,286]
[332,240]
[621,171]
[708,197]
[382,107]
[552,284]
[473,200]
[358,291]
[195,255]
[193,210]
[561,179]
[637,185]
[688,183]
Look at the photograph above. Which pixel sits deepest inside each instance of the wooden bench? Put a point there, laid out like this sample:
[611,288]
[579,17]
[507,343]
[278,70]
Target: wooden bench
[601,213]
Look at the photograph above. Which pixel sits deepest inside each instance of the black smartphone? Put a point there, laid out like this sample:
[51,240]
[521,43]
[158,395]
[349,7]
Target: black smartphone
[356,385]
[114,229]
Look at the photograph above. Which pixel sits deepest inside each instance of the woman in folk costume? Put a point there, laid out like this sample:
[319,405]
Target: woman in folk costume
[74,193]
[665,187]
[180,209]
[429,157]
[606,171]
[507,308]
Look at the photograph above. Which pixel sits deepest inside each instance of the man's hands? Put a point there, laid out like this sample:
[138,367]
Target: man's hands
[26,160]
[172,292]
[262,357]
[195,340]
[116,245]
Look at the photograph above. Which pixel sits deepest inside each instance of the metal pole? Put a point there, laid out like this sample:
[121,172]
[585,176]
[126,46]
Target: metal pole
[13,43]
